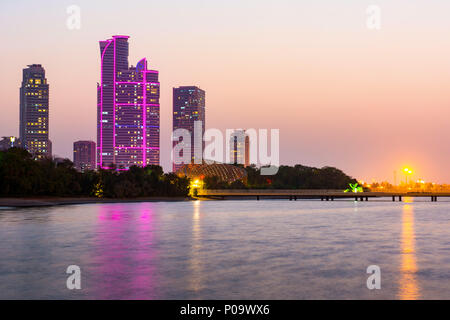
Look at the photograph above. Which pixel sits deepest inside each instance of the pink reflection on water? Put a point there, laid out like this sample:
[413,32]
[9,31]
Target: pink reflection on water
[124,252]
[143,280]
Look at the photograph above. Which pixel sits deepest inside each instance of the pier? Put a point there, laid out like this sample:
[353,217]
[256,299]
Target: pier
[323,195]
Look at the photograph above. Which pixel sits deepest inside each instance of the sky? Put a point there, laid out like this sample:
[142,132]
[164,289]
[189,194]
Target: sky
[366,101]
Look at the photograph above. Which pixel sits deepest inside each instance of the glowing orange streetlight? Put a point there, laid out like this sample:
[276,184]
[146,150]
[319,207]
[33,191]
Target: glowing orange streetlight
[407,171]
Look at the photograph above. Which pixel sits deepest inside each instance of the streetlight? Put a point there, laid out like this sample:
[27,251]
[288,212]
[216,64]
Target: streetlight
[195,186]
[407,171]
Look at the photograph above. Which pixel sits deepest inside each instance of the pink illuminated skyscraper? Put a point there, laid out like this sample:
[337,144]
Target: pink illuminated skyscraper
[128,109]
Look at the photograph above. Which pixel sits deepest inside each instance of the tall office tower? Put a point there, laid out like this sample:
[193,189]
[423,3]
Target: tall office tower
[127,109]
[240,148]
[84,155]
[188,107]
[34,104]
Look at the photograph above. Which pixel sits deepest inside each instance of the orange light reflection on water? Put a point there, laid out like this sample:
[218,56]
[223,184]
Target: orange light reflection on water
[408,289]
[196,248]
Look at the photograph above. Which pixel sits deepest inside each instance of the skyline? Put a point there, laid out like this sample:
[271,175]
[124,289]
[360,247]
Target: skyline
[372,106]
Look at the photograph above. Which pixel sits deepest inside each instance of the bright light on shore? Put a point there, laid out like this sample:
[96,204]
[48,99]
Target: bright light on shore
[407,170]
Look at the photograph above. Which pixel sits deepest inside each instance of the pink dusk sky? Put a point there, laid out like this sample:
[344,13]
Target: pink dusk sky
[368,102]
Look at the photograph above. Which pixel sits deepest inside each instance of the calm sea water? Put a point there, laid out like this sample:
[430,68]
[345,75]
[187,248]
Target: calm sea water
[271,249]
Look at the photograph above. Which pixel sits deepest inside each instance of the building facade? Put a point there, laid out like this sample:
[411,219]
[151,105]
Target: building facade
[9,142]
[240,148]
[84,153]
[128,110]
[34,111]
[189,107]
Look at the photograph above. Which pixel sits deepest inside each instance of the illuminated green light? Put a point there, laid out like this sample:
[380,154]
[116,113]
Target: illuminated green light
[354,187]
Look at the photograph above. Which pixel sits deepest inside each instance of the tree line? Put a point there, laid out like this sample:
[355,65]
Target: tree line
[287,177]
[20,175]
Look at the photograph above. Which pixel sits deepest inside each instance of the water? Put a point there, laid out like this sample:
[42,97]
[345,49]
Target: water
[274,249]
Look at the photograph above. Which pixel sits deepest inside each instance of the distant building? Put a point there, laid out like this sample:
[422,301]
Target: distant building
[50,148]
[9,142]
[34,111]
[84,155]
[59,160]
[127,109]
[240,148]
[188,107]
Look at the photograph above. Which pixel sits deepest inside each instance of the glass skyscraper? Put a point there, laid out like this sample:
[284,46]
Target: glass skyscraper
[188,107]
[127,109]
[34,112]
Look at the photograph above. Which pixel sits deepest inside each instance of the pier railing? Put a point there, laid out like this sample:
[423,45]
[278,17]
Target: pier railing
[322,194]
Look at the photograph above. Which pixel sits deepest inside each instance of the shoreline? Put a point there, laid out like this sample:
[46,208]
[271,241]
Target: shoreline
[31,202]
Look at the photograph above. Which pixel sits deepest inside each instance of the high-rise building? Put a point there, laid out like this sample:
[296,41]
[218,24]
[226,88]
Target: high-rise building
[127,109]
[84,155]
[9,142]
[34,111]
[189,107]
[240,148]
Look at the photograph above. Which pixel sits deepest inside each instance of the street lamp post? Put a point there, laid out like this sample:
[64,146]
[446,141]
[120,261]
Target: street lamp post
[407,171]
